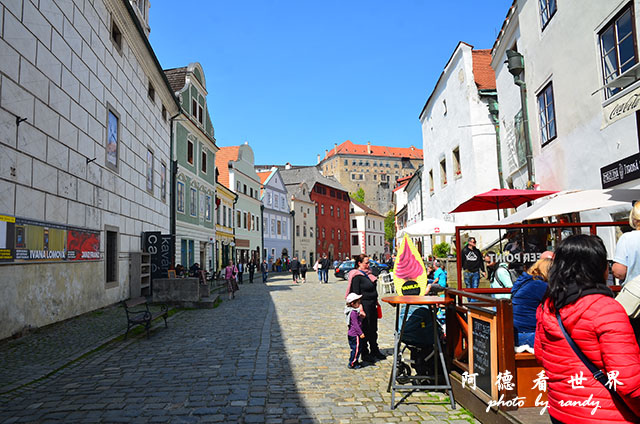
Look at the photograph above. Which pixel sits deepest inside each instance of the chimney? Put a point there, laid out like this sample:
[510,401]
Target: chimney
[326,153]
[369,147]
[318,158]
[412,148]
[335,148]
[288,165]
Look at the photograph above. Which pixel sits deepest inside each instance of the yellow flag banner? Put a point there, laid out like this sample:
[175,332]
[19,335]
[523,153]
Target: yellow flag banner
[410,275]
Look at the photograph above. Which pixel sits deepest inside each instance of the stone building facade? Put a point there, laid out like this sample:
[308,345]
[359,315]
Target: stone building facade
[304,222]
[376,169]
[276,217]
[194,149]
[84,149]
[367,231]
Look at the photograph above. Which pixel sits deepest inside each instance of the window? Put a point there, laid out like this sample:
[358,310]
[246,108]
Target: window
[238,219]
[331,210]
[304,231]
[547,10]
[203,162]
[273,226]
[244,221]
[297,231]
[431,181]
[196,110]
[224,216]
[443,172]
[244,188]
[150,171]
[151,92]
[346,162]
[257,224]
[180,199]
[207,212]
[323,233]
[218,215]
[116,35]
[380,240]
[279,227]
[338,212]
[354,240]
[163,181]
[547,115]
[321,209]
[617,48]
[333,234]
[193,199]
[354,223]
[251,191]
[164,113]
[113,139]
[457,170]
[269,198]
[338,234]
[190,152]
[230,221]
[111,255]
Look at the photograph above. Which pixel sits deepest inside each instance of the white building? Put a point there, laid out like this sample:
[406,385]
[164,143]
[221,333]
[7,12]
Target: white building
[276,216]
[304,216]
[367,230]
[581,70]
[459,137]
[84,155]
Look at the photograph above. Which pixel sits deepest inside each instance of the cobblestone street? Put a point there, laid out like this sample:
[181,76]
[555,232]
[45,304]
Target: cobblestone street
[277,353]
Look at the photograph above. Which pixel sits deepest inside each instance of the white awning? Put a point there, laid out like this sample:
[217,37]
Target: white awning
[427,227]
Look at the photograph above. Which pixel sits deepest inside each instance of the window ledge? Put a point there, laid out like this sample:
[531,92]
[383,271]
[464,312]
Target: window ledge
[630,80]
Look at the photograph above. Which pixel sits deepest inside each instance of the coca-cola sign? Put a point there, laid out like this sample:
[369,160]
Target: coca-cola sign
[624,106]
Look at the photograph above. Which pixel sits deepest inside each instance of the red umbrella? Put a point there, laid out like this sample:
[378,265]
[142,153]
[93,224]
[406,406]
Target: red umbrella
[500,199]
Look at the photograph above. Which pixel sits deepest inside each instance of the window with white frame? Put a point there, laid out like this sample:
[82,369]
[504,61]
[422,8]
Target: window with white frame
[193,202]
[457,169]
[546,112]
[207,212]
[443,172]
[190,152]
[617,48]
[196,110]
[354,240]
[180,196]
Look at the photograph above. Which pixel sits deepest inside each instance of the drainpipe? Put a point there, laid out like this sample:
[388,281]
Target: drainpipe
[515,64]
[494,112]
[173,170]
[293,234]
[262,233]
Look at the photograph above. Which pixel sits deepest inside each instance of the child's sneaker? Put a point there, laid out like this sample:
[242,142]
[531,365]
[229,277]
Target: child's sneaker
[355,366]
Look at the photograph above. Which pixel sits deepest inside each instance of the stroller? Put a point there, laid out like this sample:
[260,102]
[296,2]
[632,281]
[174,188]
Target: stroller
[417,338]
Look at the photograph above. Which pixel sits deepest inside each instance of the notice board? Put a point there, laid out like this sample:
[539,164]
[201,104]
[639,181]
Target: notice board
[483,350]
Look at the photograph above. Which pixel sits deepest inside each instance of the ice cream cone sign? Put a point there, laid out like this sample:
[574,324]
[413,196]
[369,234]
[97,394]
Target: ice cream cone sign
[410,275]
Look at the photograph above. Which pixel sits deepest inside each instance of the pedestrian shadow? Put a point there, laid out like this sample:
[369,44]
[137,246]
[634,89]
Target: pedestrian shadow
[229,364]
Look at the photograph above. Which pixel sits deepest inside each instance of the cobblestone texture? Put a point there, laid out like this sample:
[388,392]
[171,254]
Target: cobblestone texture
[275,354]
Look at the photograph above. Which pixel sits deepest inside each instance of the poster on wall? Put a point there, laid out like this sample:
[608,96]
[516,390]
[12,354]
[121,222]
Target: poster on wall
[7,238]
[83,245]
[26,240]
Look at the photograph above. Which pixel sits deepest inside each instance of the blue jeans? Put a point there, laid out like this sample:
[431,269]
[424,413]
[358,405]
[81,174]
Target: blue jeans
[323,275]
[525,338]
[354,344]
[264,277]
[471,279]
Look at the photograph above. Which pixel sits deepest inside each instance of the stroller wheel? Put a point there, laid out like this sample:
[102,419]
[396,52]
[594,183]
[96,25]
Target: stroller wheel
[403,372]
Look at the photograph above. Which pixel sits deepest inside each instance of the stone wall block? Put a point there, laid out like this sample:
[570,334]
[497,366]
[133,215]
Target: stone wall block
[29,203]
[79,69]
[70,84]
[93,218]
[67,185]
[36,23]
[68,134]
[49,64]
[77,165]
[10,63]
[34,80]
[7,197]
[89,57]
[65,6]
[86,146]
[45,177]
[57,154]
[87,100]
[46,119]
[114,203]
[32,141]
[94,174]
[76,214]
[8,129]
[19,37]
[85,192]
[81,24]
[97,44]
[72,37]
[79,117]
[59,101]
[16,99]
[96,129]
[15,6]
[56,209]
[53,14]
[61,49]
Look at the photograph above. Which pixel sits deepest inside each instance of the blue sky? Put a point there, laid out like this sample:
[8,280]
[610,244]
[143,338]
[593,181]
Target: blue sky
[293,77]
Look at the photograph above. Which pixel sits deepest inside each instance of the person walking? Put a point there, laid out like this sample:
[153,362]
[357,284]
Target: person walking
[230,274]
[264,267]
[582,330]
[252,269]
[355,315]
[303,270]
[240,270]
[363,284]
[472,264]
[294,266]
[324,269]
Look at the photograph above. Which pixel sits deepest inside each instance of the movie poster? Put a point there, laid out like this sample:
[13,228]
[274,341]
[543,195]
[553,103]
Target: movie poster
[83,245]
[7,238]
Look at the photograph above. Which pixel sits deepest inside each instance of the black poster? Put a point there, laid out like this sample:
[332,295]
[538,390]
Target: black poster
[619,172]
[152,244]
[167,248]
[481,333]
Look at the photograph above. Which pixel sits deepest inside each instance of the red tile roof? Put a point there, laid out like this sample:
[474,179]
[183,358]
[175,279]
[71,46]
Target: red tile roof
[263,176]
[483,73]
[223,157]
[401,186]
[363,149]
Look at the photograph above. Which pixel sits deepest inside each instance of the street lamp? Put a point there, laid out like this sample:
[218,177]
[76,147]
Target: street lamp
[515,64]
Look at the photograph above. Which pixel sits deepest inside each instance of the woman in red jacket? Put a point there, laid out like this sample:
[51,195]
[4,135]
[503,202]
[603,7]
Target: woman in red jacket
[599,327]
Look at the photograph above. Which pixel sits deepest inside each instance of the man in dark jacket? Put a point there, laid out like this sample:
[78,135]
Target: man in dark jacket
[264,267]
[294,265]
[323,275]
[472,264]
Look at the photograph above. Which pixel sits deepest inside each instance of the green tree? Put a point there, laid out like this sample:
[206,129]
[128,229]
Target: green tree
[441,250]
[358,195]
[390,226]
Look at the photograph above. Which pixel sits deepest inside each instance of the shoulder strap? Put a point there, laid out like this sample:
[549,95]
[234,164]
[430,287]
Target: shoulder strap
[597,373]
[363,273]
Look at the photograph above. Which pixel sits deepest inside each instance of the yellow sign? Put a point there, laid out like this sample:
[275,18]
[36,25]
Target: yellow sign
[410,275]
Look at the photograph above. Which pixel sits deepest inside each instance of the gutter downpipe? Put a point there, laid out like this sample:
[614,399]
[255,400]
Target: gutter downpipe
[527,135]
[172,193]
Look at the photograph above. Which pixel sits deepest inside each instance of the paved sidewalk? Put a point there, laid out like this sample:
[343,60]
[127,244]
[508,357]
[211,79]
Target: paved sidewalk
[277,354]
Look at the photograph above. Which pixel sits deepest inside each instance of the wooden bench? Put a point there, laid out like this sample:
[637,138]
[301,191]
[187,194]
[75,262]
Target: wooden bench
[138,313]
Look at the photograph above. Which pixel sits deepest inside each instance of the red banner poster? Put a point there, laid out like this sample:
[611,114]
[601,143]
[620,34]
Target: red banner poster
[83,245]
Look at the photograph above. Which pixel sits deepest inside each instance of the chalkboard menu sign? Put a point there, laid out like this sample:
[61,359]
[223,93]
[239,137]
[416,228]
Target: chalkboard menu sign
[481,334]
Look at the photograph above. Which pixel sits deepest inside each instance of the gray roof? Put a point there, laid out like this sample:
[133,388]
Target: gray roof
[295,190]
[177,78]
[310,175]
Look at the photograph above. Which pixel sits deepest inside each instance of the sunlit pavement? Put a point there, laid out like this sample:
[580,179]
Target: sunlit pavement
[276,354]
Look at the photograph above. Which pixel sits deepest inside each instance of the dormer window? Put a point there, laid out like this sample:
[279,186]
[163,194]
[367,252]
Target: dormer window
[196,110]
